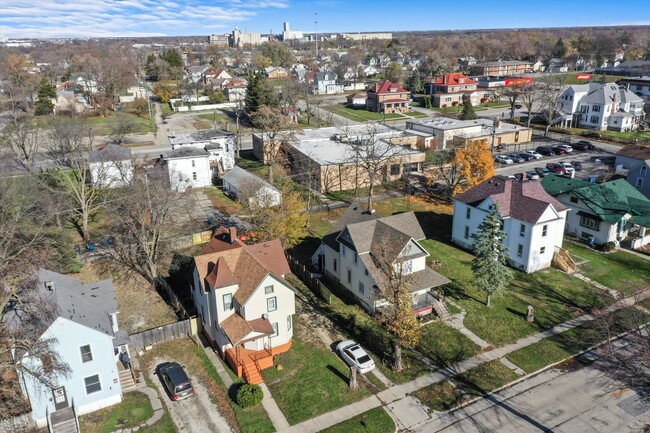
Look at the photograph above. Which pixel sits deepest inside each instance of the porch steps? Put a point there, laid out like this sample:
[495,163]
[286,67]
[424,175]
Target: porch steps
[441,309]
[563,261]
[126,380]
[252,374]
[63,421]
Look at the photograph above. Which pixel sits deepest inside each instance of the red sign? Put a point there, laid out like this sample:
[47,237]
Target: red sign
[583,77]
[518,81]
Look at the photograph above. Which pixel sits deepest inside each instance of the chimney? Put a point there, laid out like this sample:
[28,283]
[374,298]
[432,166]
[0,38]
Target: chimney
[232,234]
[49,285]
[613,104]
[444,79]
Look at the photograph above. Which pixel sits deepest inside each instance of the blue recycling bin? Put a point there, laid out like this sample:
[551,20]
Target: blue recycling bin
[90,246]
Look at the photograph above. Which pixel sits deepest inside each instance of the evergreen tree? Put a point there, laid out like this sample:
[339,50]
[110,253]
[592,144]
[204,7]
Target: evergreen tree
[468,112]
[173,57]
[149,67]
[491,274]
[560,49]
[415,82]
[46,92]
[258,93]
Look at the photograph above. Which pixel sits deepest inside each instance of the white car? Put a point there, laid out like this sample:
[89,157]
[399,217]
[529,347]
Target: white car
[567,166]
[354,355]
[566,147]
[503,159]
[532,153]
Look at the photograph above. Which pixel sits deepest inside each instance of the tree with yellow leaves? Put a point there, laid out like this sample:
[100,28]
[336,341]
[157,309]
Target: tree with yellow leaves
[475,164]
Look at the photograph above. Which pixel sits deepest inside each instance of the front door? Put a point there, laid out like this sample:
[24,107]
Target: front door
[60,398]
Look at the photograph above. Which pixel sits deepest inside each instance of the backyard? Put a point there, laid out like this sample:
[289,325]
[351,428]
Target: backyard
[363,115]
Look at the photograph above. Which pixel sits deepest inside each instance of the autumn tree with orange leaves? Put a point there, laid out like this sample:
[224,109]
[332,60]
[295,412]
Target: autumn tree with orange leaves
[474,164]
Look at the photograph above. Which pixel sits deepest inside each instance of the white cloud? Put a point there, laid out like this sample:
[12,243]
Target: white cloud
[114,18]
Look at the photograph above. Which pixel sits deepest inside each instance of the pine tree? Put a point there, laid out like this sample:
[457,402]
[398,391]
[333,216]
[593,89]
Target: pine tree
[468,112]
[46,92]
[491,274]
[173,57]
[258,93]
[415,82]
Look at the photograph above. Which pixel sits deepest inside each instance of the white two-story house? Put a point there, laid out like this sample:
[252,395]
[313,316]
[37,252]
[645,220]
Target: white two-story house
[188,167]
[532,219]
[87,338]
[111,166]
[358,255]
[246,305]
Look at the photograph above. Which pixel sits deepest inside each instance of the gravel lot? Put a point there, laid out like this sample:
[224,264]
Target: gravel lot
[195,414]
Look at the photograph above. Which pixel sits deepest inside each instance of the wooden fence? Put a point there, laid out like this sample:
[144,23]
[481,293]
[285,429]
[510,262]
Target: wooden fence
[171,331]
[309,279]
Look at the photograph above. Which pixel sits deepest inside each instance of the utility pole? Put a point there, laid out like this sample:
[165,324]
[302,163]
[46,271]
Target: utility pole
[316,28]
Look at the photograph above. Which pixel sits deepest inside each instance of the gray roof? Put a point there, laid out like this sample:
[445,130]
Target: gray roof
[355,213]
[606,93]
[195,137]
[186,152]
[424,279]
[402,226]
[110,152]
[325,76]
[240,178]
[87,304]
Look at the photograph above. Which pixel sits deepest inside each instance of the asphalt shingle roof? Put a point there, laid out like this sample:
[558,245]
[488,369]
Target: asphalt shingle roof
[612,200]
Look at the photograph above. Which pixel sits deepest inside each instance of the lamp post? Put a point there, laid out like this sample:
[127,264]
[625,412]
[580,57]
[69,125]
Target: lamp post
[494,132]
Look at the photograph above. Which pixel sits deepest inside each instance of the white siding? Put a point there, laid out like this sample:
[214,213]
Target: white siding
[182,174]
[111,174]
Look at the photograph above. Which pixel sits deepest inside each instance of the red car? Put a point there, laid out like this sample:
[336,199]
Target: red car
[556,168]
[559,150]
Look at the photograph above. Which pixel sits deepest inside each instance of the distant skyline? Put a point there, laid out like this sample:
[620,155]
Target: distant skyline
[118,18]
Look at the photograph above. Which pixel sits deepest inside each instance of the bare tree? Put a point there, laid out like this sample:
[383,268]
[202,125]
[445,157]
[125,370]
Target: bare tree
[549,95]
[69,144]
[513,94]
[277,131]
[23,136]
[529,98]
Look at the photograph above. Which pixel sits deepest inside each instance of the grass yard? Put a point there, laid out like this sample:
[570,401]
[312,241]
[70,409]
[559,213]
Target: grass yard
[408,203]
[222,202]
[103,126]
[621,271]
[196,362]
[441,396]
[313,381]
[362,115]
[556,297]
[374,421]
[166,110]
[134,409]
[217,115]
[444,345]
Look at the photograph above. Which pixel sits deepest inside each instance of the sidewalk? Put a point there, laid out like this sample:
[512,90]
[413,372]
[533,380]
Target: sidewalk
[405,414]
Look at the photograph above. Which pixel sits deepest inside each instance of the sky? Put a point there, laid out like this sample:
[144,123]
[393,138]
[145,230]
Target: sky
[116,18]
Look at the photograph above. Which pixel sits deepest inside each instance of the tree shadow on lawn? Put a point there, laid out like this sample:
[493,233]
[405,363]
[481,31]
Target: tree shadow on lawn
[337,373]
[436,225]
[305,249]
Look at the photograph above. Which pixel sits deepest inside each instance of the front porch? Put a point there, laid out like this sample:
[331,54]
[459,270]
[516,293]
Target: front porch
[638,237]
[249,363]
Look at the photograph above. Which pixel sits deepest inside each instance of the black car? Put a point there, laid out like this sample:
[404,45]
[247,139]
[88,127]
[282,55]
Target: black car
[545,150]
[577,165]
[526,156]
[542,171]
[175,380]
[583,145]
[516,158]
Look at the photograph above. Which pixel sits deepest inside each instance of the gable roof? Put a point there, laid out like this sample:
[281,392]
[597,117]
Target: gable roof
[525,201]
[110,152]
[555,184]
[400,226]
[387,87]
[641,153]
[355,213]
[612,200]
[241,179]
[89,304]
[453,80]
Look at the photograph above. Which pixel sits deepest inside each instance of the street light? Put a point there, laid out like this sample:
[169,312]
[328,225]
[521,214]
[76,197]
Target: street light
[494,132]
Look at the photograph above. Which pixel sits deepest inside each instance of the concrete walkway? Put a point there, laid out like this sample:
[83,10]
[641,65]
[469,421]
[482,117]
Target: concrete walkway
[156,404]
[407,412]
[613,293]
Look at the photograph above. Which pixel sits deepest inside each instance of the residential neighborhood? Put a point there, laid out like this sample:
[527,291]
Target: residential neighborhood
[252,218]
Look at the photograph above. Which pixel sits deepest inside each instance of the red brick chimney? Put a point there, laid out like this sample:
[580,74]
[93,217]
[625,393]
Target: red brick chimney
[613,104]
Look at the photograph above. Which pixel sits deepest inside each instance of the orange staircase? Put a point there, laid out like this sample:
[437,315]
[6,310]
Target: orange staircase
[252,374]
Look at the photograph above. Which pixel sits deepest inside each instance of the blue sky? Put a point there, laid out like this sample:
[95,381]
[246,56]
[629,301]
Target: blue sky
[106,18]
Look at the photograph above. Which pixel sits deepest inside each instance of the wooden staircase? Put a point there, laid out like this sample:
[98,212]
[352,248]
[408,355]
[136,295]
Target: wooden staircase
[441,309]
[126,379]
[63,421]
[252,374]
[563,261]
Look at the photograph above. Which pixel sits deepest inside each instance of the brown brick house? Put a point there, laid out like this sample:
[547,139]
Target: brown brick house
[388,97]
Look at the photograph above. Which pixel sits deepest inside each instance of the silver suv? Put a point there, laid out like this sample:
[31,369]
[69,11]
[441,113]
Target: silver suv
[175,380]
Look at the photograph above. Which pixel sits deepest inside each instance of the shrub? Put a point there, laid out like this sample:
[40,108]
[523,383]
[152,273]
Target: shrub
[454,103]
[609,246]
[249,395]
[484,100]
[444,105]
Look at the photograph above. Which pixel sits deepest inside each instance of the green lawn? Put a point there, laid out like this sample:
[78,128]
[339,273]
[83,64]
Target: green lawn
[444,345]
[362,115]
[103,126]
[440,396]
[134,409]
[313,381]
[222,202]
[620,270]
[374,421]
[219,115]
[556,297]
[166,110]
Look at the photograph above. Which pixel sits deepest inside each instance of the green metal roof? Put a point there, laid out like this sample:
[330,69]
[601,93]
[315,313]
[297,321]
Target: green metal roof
[612,200]
[556,185]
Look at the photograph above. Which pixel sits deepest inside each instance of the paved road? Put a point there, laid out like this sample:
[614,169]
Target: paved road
[585,400]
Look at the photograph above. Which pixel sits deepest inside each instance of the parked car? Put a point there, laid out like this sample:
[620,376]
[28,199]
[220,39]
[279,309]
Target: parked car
[567,166]
[516,158]
[175,380]
[559,150]
[577,165]
[542,171]
[354,355]
[503,159]
[566,147]
[533,175]
[545,150]
[583,145]
[532,153]
[518,106]
[556,168]
[526,156]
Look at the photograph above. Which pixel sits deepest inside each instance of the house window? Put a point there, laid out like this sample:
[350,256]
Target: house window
[274,325]
[468,212]
[93,384]
[394,169]
[574,199]
[86,353]
[268,290]
[639,182]
[349,276]
[466,232]
[594,119]
[288,323]
[334,265]
[356,259]
[271,304]
[542,250]
[365,271]
[595,108]
[362,288]
[522,230]
[194,175]
[193,163]
[520,250]
[544,230]
[343,250]
[227,301]
[590,222]
[644,169]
